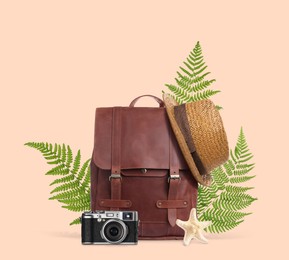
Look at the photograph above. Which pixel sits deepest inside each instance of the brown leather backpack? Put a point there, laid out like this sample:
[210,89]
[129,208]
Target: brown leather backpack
[137,165]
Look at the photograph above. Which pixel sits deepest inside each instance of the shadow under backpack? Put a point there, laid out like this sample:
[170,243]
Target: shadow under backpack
[137,165]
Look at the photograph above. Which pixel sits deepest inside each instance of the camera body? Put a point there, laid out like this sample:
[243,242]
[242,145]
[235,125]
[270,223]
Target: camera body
[109,227]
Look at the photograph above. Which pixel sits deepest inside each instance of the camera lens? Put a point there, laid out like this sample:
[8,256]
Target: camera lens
[114,231]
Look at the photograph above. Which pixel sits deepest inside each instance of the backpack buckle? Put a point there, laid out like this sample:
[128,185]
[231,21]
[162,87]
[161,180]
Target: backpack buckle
[174,177]
[114,176]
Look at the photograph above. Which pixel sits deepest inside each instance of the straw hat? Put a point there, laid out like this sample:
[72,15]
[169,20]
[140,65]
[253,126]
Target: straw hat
[199,130]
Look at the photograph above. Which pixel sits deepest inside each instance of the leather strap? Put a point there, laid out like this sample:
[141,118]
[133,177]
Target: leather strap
[174,179]
[161,103]
[115,177]
[172,204]
[116,141]
[114,203]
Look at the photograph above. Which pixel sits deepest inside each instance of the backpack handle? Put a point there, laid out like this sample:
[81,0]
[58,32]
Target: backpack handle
[161,103]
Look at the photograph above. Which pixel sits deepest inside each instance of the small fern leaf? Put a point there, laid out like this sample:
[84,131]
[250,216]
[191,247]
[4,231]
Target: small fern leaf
[221,227]
[69,158]
[206,195]
[202,85]
[66,186]
[56,161]
[246,159]
[50,157]
[242,171]
[198,72]
[59,151]
[76,208]
[65,179]
[63,158]
[76,221]
[237,189]
[80,199]
[232,156]
[192,83]
[76,163]
[222,215]
[86,181]
[203,95]
[58,170]
[69,194]
[83,171]
[241,179]
[220,177]
[229,167]
[229,201]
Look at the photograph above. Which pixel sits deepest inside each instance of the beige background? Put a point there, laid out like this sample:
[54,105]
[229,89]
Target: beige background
[61,59]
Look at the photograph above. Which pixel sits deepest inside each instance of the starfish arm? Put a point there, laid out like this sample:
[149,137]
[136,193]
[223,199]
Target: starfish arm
[200,236]
[187,238]
[193,214]
[181,224]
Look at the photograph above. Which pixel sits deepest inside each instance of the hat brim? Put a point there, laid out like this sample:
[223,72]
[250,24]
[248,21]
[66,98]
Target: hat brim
[202,179]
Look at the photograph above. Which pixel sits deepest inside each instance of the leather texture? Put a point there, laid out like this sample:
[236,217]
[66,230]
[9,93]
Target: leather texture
[137,165]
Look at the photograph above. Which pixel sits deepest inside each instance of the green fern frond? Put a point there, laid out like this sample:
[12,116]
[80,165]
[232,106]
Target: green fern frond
[192,83]
[72,187]
[223,202]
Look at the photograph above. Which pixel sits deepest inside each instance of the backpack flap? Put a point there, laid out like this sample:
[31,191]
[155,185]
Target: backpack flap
[144,139]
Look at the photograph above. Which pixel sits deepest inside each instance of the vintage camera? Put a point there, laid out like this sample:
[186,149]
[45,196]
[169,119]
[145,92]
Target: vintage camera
[109,227]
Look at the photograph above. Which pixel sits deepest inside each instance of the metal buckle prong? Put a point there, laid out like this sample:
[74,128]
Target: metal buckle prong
[174,177]
[115,176]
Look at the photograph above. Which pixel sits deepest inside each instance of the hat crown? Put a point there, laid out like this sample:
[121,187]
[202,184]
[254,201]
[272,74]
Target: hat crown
[208,133]
[200,133]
